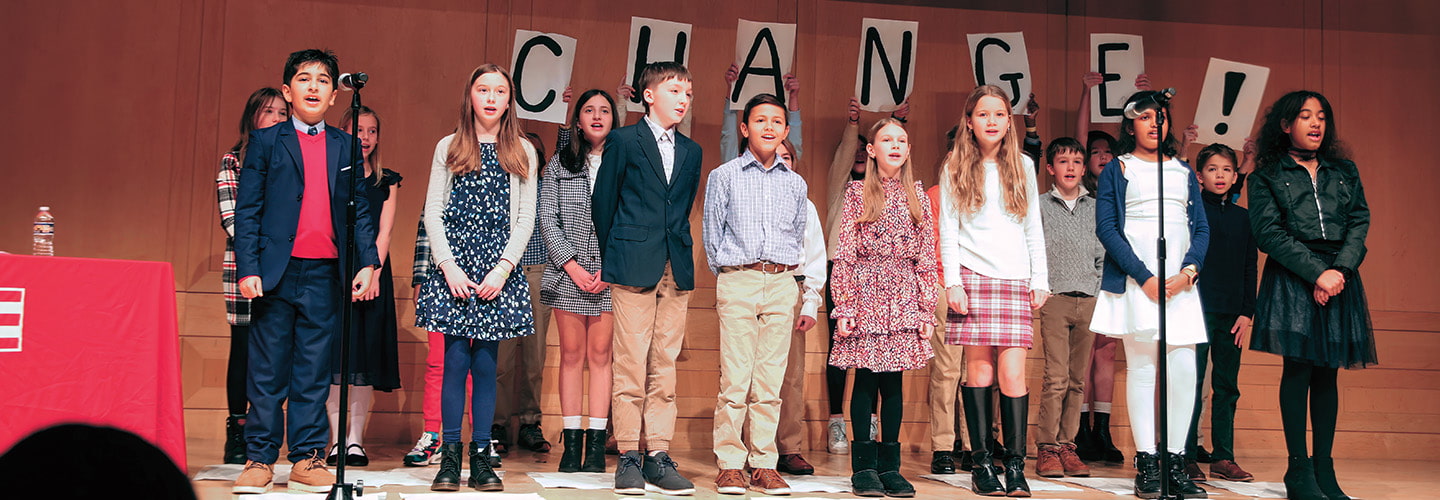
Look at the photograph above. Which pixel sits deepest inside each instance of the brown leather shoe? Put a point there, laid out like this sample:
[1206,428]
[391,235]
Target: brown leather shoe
[794,464]
[1230,471]
[769,482]
[1070,461]
[731,482]
[1192,469]
[257,478]
[310,475]
[1047,463]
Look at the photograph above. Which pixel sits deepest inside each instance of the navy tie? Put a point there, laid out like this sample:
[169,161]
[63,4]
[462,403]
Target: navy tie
[313,131]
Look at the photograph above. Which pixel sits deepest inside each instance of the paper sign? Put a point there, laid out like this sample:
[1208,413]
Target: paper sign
[885,67]
[764,52]
[1000,59]
[541,68]
[1229,102]
[653,40]
[1119,59]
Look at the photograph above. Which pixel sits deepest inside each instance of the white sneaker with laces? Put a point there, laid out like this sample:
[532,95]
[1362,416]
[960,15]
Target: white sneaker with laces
[838,444]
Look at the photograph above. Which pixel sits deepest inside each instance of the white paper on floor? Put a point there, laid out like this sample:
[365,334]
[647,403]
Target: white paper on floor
[575,480]
[1112,485]
[818,484]
[229,472]
[962,481]
[289,496]
[1256,490]
[471,495]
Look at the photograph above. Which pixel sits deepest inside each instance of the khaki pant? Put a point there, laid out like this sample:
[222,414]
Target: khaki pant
[1067,342]
[947,373]
[790,435]
[520,362]
[757,320]
[649,329]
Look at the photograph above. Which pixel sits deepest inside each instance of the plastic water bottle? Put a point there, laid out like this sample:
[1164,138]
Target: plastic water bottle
[44,233]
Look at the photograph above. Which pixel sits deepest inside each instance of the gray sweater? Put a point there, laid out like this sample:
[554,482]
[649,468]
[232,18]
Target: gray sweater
[1073,253]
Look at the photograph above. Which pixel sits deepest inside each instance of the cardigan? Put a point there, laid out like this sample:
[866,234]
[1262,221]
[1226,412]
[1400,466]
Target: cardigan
[1120,258]
[522,206]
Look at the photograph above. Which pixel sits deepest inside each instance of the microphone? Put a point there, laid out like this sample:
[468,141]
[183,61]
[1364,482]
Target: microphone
[1156,101]
[356,81]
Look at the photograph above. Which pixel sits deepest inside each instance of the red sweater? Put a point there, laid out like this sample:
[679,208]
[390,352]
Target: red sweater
[315,235]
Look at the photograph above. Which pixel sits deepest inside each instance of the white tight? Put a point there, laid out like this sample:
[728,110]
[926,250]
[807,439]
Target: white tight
[1140,360]
[362,397]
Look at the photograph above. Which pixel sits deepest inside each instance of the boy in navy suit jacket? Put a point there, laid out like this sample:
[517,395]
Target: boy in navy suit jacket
[289,225]
[641,206]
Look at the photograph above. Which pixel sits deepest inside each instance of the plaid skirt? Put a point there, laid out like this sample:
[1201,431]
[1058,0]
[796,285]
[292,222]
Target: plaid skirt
[1000,313]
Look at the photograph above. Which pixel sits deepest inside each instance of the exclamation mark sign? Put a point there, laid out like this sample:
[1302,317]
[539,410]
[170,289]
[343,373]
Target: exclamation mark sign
[1233,81]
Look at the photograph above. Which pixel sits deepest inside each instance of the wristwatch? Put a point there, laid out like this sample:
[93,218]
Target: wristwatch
[1192,272]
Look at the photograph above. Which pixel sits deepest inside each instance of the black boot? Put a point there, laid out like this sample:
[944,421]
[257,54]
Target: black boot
[1325,477]
[482,477]
[594,451]
[1180,484]
[573,443]
[888,465]
[1014,419]
[1084,442]
[448,479]
[942,462]
[864,479]
[1147,474]
[1105,446]
[977,422]
[235,439]
[1300,481]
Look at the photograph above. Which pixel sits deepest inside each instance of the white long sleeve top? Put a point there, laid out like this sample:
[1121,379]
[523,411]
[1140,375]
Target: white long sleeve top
[991,241]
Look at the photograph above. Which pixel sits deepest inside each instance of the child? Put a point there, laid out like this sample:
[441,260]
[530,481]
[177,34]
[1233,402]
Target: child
[790,434]
[1311,307]
[479,212]
[884,284]
[1093,441]
[374,345]
[992,247]
[1127,207]
[730,145]
[1075,259]
[571,284]
[295,271]
[1228,299]
[648,177]
[265,108]
[754,238]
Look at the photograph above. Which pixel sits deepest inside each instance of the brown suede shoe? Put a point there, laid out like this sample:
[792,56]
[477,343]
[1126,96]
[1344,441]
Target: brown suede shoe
[257,478]
[1070,461]
[769,482]
[1230,471]
[1048,462]
[794,464]
[730,482]
[309,475]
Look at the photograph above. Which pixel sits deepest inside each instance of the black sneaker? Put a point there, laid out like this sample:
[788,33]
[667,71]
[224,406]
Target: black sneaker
[629,480]
[533,439]
[662,476]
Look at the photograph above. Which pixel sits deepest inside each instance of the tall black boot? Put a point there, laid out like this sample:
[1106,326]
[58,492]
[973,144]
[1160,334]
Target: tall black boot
[235,439]
[1180,483]
[448,479]
[1105,446]
[864,479]
[573,446]
[594,451]
[977,421]
[1147,474]
[888,465]
[1325,477]
[482,477]
[1014,419]
[1300,481]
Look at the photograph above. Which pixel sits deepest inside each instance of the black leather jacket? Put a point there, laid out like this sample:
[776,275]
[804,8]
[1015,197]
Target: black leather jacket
[1294,218]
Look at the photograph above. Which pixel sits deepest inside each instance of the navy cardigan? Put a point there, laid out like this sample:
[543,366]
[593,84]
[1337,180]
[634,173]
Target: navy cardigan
[1120,259]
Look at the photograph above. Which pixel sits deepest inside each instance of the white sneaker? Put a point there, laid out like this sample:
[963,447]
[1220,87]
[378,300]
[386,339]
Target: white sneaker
[874,427]
[838,444]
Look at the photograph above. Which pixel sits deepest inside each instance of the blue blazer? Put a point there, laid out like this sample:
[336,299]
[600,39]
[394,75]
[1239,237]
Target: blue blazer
[267,214]
[1120,259]
[642,219]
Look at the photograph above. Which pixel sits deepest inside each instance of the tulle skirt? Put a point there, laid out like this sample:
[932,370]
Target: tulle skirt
[1290,323]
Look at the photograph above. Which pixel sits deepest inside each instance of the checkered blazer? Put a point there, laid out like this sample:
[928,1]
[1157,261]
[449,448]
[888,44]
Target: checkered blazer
[227,184]
[563,217]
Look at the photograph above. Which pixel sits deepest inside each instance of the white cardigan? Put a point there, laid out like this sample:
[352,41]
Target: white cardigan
[990,241]
[522,206]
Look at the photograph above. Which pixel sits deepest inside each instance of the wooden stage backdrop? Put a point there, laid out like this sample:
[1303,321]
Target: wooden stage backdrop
[116,114]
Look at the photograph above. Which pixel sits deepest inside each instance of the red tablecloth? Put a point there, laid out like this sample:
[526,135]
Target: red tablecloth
[91,341]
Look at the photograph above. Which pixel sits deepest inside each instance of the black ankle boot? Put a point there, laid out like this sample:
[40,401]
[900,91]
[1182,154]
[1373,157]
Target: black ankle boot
[1147,475]
[888,465]
[1300,481]
[1180,483]
[1084,445]
[482,477]
[573,446]
[942,462]
[594,451]
[1325,477]
[448,479]
[1014,419]
[864,479]
[977,422]
[235,439]
[1105,446]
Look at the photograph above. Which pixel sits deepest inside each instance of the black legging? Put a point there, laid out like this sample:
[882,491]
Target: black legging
[869,385]
[1296,380]
[236,370]
[835,377]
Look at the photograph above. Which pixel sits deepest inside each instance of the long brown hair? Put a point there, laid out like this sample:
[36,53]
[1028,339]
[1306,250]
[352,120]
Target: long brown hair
[372,161]
[966,164]
[464,153]
[258,99]
[873,196]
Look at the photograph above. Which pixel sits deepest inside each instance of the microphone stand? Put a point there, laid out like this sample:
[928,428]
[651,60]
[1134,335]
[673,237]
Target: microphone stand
[1161,378]
[343,490]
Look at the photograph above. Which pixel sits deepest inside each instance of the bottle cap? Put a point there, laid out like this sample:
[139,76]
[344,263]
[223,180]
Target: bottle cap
[44,209]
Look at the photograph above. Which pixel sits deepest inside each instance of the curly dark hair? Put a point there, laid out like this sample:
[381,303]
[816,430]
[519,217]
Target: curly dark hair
[1274,143]
[1169,146]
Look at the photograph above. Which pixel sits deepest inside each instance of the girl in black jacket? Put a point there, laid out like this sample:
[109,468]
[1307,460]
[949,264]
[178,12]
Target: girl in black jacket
[1308,213]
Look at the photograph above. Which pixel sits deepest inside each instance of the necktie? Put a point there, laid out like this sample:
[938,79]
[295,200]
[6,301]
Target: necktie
[313,131]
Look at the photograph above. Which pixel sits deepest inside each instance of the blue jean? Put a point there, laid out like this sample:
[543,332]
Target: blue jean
[475,358]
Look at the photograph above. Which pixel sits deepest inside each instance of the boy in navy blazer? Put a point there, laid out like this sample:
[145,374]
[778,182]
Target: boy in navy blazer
[289,230]
[641,204]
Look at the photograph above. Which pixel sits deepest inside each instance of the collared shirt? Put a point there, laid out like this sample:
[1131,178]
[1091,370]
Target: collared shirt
[304,128]
[665,140]
[754,214]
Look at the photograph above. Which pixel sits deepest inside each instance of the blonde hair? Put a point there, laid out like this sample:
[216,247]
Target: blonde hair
[873,196]
[372,161]
[464,153]
[965,165]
